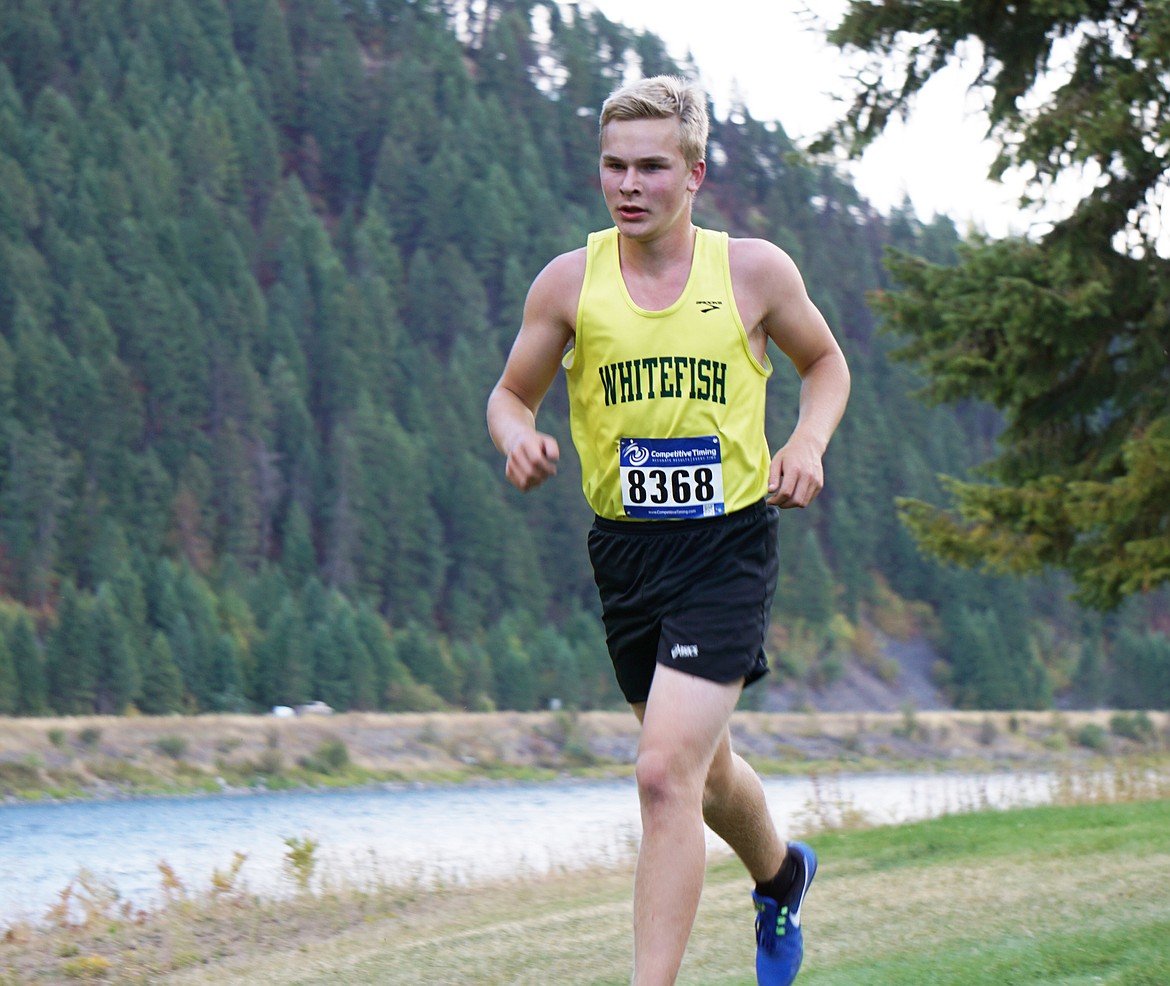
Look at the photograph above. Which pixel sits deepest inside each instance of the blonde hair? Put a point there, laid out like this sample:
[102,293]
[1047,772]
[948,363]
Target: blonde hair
[659,98]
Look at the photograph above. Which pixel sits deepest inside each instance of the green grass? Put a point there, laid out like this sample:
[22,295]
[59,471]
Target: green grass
[1050,896]
[1055,896]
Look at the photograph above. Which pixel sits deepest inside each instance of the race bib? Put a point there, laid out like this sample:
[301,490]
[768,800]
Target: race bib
[671,478]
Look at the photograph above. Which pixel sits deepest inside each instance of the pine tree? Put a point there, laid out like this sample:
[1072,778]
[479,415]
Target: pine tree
[274,67]
[28,32]
[805,589]
[334,96]
[388,671]
[10,694]
[283,661]
[193,634]
[353,660]
[328,678]
[1140,662]
[28,664]
[599,689]
[32,502]
[475,672]
[242,495]
[299,557]
[428,661]
[1065,332]
[415,560]
[161,690]
[117,674]
[18,211]
[555,663]
[70,668]
[227,680]
[515,679]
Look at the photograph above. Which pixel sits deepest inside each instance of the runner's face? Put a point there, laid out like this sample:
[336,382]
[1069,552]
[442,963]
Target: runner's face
[647,185]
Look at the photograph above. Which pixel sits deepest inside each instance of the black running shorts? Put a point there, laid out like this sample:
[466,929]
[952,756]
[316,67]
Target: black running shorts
[691,594]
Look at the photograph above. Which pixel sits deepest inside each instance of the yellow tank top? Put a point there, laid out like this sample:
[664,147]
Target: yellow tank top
[666,407]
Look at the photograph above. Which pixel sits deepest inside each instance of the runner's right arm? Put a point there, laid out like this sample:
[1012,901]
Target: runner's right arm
[547,328]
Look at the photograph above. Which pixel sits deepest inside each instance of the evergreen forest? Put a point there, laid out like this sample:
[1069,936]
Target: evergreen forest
[260,264]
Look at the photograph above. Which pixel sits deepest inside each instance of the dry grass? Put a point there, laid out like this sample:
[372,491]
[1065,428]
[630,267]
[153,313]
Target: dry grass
[101,756]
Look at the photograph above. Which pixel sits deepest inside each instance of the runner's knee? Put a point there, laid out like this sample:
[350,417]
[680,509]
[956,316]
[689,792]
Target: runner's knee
[663,778]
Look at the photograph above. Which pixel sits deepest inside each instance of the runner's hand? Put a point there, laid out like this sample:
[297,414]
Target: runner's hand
[796,475]
[532,460]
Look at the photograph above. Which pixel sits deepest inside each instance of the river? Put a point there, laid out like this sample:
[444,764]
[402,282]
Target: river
[399,836]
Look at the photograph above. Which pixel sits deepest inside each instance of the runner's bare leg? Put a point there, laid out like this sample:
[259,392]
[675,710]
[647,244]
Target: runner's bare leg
[683,724]
[736,810]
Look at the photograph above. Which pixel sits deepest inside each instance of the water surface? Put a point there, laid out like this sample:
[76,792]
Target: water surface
[413,835]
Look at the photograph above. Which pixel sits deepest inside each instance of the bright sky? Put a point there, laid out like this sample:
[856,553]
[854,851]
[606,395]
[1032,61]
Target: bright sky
[773,56]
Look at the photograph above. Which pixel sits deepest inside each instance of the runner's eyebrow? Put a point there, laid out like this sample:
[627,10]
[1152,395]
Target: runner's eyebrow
[649,159]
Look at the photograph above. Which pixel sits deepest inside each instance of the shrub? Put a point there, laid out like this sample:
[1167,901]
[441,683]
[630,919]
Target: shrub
[172,746]
[226,884]
[87,967]
[331,757]
[122,772]
[1137,727]
[20,775]
[888,670]
[574,743]
[271,763]
[89,737]
[987,732]
[301,859]
[1093,737]
[910,727]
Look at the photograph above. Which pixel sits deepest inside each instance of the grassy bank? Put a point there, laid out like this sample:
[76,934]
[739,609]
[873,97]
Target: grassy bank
[117,757]
[1063,895]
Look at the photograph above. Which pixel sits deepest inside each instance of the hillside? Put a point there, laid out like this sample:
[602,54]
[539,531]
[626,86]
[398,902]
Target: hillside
[908,683]
[260,263]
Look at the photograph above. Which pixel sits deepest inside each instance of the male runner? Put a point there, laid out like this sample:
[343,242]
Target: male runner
[666,327]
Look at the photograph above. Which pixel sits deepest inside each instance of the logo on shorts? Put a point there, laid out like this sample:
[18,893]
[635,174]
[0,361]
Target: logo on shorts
[679,651]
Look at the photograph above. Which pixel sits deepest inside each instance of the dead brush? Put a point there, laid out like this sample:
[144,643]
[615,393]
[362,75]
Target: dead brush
[829,810]
[87,900]
[226,885]
[172,886]
[1125,781]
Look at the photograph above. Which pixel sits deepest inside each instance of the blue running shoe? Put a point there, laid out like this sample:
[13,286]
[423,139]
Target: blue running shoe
[779,942]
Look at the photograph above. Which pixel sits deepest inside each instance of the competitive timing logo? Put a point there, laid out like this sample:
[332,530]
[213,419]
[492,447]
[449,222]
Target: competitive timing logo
[637,455]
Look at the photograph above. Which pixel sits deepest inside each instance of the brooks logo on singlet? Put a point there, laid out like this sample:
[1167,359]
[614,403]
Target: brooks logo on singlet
[654,377]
